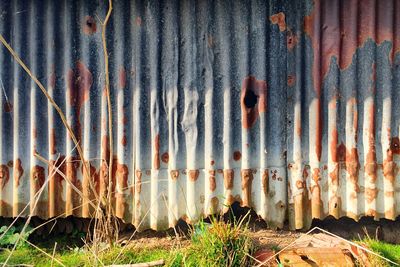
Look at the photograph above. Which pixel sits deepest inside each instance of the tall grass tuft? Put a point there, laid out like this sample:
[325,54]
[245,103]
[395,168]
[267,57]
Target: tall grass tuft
[219,244]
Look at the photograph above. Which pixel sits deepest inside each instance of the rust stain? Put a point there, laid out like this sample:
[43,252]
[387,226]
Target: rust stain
[193,175]
[300,184]
[316,192]
[214,205]
[18,171]
[37,177]
[124,140]
[312,29]
[247,179]
[122,78]
[348,33]
[4,175]
[122,173]
[73,198]
[138,182]
[89,25]
[56,203]
[253,100]
[389,194]
[291,80]
[390,170]
[228,179]
[350,157]
[265,181]
[279,19]
[395,145]
[165,157]
[52,78]
[79,82]
[211,177]
[8,107]
[333,145]
[371,212]
[291,40]
[174,174]
[371,163]
[370,194]
[212,162]
[52,141]
[34,133]
[237,155]
[156,161]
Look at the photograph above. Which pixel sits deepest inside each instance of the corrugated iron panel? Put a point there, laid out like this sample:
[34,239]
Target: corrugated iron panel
[284,106]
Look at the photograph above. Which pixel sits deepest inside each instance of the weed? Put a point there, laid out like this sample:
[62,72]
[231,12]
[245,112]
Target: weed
[389,251]
[13,235]
[218,244]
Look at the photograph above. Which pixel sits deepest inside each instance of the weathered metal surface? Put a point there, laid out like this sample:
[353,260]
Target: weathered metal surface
[284,106]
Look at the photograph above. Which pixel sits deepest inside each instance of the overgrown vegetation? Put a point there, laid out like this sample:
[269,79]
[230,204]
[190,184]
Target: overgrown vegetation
[211,244]
[219,244]
[387,250]
[11,236]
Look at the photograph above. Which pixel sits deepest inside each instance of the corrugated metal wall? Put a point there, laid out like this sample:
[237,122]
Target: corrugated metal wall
[285,106]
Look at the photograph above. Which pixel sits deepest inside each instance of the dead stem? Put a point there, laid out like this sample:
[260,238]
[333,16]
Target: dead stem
[109,229]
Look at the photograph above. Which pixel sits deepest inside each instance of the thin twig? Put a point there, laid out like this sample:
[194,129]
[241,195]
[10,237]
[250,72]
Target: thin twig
[44,252]
[110,129]
[54,252]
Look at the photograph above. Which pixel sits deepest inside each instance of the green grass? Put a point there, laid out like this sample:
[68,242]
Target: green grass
[79,257]
[215,244]
[389,251]
[218,244]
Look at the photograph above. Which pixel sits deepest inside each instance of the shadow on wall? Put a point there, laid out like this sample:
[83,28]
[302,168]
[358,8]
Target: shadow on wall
[385,230]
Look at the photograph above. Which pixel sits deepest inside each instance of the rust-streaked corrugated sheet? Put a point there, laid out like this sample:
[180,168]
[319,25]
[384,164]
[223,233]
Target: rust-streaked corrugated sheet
[288,107]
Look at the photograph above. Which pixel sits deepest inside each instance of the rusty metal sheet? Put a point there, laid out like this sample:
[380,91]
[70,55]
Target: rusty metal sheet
[284,106]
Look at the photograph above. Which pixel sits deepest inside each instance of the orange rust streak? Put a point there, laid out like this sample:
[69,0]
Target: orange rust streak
[52,141]
[312,29]
[18,172]
[156,161]
[318,139]
[247,178]
[330,35]
[228,179]
[333,145]
[279,19]
[37,177]
[385,23]
[4,175]
[371,166]
[396,28]
[122,78]
[79,82]
[211,177]
[193,175]
[366,21]
[349,33]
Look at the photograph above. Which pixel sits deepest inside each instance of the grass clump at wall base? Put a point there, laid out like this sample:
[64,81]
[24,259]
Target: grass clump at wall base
[387,250]
[219,244]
